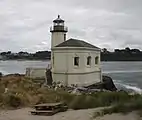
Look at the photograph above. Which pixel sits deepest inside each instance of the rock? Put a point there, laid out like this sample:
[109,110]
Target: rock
[98,85]
[108,83]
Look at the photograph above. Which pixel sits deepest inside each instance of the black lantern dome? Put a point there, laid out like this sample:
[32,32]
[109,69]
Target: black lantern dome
[58,20]
[58,25]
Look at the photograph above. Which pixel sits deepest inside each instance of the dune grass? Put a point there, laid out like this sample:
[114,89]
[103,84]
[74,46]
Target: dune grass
[24,92]
[123,108]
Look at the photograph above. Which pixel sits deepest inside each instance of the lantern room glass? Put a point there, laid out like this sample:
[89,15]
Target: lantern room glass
[59,24]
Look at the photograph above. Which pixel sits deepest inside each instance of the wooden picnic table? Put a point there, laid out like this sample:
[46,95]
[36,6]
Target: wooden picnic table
[49,108]
[49,104]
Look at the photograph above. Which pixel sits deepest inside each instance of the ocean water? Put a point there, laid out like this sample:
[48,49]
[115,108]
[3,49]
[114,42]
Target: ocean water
[126,75]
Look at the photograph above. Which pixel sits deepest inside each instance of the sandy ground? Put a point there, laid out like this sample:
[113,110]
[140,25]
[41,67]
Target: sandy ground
[24,114]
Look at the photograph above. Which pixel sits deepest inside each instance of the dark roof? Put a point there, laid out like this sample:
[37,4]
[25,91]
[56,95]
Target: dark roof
[76,43]
[58,20]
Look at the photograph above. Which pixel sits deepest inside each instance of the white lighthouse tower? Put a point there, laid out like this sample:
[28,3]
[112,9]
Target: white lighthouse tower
[58,31]
[58,35]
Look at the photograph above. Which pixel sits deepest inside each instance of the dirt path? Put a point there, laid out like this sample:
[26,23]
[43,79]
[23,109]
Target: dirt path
[23,114]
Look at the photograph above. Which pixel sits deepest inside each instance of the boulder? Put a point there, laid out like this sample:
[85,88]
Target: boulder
[108,83]
[98,85]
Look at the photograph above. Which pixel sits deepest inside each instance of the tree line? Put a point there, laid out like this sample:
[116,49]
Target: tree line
[40,55]
[126,54]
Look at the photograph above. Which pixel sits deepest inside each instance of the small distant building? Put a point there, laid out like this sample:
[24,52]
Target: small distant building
[73,61]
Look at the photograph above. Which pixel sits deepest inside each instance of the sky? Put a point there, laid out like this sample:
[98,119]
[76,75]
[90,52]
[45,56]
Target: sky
[25,24]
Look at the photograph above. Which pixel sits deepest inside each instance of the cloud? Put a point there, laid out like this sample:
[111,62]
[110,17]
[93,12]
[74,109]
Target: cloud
[104,23]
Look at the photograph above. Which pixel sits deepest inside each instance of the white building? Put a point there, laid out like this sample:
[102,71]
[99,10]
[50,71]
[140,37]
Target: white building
[73,61]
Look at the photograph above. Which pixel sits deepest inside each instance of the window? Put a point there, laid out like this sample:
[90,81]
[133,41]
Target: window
[64,37]
[96,60]
[53,60]
[76,61]
[89,60]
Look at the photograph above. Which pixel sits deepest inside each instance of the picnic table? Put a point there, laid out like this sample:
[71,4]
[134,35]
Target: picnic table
[49,108]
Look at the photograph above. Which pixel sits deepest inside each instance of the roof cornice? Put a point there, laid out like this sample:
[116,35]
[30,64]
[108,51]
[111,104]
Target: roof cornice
[75,48]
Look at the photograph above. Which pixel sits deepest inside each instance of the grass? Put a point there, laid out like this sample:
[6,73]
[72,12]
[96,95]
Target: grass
[124,108]
[23,92]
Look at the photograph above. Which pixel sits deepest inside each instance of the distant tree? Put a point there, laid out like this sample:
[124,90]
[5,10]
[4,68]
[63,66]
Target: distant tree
[42,54]
[21,53]
[127,49]
[104,50]
[9,52]
[135,51]
[3,53]
[117,50]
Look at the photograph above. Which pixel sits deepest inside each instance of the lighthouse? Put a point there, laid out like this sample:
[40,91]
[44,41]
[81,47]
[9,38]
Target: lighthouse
[73,61]
[58,32]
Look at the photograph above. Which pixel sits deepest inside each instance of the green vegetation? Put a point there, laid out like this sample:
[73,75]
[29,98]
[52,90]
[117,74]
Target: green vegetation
[126,54]
[24,92]
[124,108]
[40,55]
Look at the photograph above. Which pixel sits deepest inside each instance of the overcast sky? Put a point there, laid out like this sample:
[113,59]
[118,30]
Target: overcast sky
[24,24]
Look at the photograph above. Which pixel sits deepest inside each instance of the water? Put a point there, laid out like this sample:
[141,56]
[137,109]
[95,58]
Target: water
[126,75]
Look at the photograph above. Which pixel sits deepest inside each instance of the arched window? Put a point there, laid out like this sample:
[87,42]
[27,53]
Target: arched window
[97,60]
[76,61]
[64,37]
[89,60]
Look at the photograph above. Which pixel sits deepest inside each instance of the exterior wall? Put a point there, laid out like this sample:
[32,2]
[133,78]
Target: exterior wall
[79,79]
[64,61]
[35,72]
[64,70]
[57,38]
[84,79]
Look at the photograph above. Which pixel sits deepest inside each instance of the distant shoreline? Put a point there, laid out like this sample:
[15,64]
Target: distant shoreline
[123,55]
[26,60]
[50,59]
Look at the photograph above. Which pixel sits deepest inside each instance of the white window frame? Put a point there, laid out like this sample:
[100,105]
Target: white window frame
[96,60]
[89,60]
[74,61]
